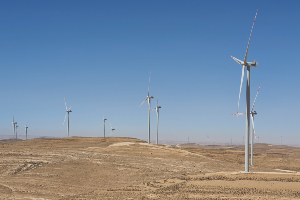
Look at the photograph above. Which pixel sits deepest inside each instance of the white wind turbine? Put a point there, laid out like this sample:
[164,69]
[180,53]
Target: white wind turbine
[112,129]
[157,114]
[17,133]
[26,127]
[252,113]
[149,103]
[104,125]
[248,65]
[14,124]
[208,139]
[67,113]
[253,130]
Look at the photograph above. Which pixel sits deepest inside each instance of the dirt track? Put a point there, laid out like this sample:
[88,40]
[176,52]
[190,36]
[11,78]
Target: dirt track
[126,168]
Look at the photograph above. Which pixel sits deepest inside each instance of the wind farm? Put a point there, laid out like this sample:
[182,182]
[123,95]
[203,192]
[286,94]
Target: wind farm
[99,54]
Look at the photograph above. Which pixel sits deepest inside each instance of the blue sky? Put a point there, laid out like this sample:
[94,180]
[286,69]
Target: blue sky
[98,55]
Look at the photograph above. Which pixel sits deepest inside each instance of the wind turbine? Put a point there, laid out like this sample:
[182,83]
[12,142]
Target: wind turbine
[208,139]
[67,113]
[252,113]
[26,127]
[17,133]
[253,130]
[149,103]
[157,114]
[248,65]
[14,124]
[112,129]
[104,125]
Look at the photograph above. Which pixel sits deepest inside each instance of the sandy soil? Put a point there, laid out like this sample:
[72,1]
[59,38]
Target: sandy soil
[126,168]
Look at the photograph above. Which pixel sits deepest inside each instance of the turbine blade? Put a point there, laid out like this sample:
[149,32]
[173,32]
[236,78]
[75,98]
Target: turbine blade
[70,107]
[255,99]
[149,83]
[143,102]
[242,78]
[65,103]
[245,60]
[65,120]
[239,114]
[111,129]
[237,60]
[157,96]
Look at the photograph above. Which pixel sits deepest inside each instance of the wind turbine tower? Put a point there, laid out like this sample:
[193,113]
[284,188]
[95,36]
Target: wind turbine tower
[112,129]
[149,103]
[104,125]
[14,124]
[157,114]
[208,139]
[253,130]
[248,65]
[17,132]
[252,113]
[26,127]
[67,113]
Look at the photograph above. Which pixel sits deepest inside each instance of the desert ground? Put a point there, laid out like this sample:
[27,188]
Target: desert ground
[127,168]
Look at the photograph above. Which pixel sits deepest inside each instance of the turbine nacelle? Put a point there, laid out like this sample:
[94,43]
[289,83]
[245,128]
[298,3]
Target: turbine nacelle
[149,98]
[252,64]
[247,64]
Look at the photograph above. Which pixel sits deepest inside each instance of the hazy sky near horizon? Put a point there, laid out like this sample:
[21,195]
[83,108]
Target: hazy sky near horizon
[98,55]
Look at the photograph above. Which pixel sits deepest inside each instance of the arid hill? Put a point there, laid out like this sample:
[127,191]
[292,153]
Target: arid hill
[127,168]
